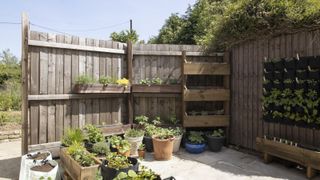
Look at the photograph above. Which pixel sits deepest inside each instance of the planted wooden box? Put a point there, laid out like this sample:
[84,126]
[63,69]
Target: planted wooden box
[99,88]
[165,88]
[206,121]
[74,169]
[305,157]
[206,94]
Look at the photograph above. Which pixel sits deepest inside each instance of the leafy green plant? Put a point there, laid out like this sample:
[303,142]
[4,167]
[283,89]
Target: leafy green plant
[85,79]
[101,148]
[173,120]
[150,130]
[143,173]
[173,81]
[142,147]
[79,154]
[177,131]
[145,81]
[134,133]
[117,161]
[141,120]
[124,146]
[157,81]
[72,136]
[217,133]
[93,134]
[196,137]
[114,141]
[288,81]
[105,80]
[164,133]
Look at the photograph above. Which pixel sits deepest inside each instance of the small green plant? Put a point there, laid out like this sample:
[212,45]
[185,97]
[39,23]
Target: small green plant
[85,79]
[142,147]
[117,161]
[217,133]
[141,120]
[156,121]
[79,154]
[124,146]
[164,133]
[173,81]
[196,137]
[157,81]
[134,133]
[144,173]
[145,81]
[288,81]
[150,130]
[93,133]
[173,120]
[105,80]
[177,131]
[101,148]
[114,141]
[72,136]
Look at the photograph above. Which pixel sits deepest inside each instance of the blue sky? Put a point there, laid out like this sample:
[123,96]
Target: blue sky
[79,16]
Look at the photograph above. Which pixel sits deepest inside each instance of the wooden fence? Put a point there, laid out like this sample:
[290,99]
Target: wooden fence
[247,73]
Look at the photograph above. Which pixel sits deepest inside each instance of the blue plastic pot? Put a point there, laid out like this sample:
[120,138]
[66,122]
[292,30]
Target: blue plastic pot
[195,148]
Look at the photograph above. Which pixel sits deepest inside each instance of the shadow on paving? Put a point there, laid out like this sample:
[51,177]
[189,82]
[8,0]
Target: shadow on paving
[10,168]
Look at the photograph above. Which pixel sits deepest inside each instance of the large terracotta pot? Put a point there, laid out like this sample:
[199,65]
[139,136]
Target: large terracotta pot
[162,148]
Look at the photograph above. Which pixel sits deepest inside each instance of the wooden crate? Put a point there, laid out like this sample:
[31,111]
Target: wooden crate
[165,88]
[206,69]
[206,121]
[206,94]
[99,88]
[73,168]
[305,157]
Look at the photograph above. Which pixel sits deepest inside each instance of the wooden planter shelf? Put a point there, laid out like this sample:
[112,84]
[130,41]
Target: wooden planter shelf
[73,168]
[305,157]
[206,94]
[162,89]
[99,88]
[206,121]
[206,69]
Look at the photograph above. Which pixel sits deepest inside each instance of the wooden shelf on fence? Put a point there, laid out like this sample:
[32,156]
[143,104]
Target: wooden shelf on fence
[309,159]
[114,129]
[206,94]
[206,121]
[206,68]
[173,89]
[99,88]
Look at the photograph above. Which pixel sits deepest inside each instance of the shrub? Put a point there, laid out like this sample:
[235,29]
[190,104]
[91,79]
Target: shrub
[93,134]
[7,117]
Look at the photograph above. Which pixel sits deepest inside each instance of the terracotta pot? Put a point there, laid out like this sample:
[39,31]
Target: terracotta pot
[127,153]
[162,148]
[141,153]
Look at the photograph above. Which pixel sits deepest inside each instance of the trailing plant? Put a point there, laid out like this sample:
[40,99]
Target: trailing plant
[196,137]
[79,154]
[85,79]
[134,133]
[217,133]
[101,148]
[94,134]
[117,161]
[72,136]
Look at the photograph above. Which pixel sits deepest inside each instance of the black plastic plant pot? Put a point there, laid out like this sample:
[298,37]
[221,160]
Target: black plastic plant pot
[303,63]
[215,143]
[147,141]
[314,75]
[303,75]
[268,66]
[314,62]
[278,86]
[278,65]
[268,76]
[290,64]
[288,85]
[88,145]
[278,75]
[303,86]
[289,74]
[110,173]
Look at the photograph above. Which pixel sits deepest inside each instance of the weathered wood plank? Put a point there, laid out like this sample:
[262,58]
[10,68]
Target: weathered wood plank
[206,121]
[206,69]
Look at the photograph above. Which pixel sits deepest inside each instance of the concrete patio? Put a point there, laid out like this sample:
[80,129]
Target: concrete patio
[228,164]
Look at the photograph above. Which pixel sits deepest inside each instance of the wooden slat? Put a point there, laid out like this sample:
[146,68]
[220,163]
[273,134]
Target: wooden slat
[206,69]
[206,121]
[137,88]
[74,47]
[206,95]
[69,96]
[172,53]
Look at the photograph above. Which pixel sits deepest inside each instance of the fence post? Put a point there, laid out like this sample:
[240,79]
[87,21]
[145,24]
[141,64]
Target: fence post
[24,81]
[130,97]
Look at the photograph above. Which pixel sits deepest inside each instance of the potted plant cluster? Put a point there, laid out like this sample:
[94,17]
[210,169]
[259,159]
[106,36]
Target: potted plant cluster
[141,151]
[101,149]
[120,145]
[92,135]
[143,173]
[216,140]
[195,143]
[134,137]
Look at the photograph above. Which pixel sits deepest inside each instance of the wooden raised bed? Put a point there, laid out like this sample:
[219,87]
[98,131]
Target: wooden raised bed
[99,88]
[73,168]
[206,69]
[305,157]
[165,88]
[206,94]
[206,121]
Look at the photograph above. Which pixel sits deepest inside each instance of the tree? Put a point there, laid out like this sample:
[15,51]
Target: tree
[6,57]
[124,36]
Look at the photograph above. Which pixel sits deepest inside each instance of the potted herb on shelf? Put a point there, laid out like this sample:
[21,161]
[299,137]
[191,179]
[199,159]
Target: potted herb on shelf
[117,163]
[163,144]
[134,137]
[216,140]
[114,141]
[93,135]
[141,151]
[178,133]
[195,143]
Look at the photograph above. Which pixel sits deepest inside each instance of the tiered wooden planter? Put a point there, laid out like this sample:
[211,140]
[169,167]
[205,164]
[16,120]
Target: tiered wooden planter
[99,88]
[74,170]
[165,88]
[207,93]
[305,157]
